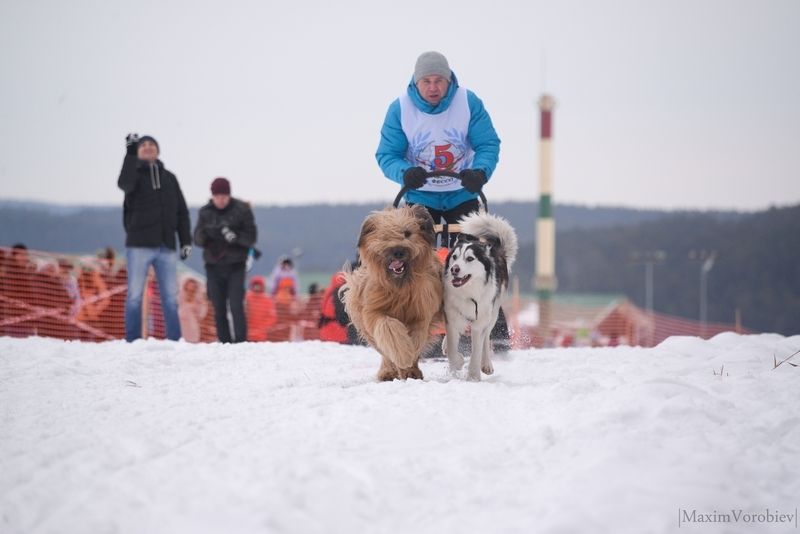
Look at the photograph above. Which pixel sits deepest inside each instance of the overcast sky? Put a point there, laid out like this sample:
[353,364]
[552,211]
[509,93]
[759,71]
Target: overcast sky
[668,104]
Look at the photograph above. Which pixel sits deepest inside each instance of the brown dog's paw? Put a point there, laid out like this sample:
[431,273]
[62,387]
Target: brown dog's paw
[386,374]
[412,372]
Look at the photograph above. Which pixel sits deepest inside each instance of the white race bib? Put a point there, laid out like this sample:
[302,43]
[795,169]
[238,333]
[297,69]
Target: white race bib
[438,142]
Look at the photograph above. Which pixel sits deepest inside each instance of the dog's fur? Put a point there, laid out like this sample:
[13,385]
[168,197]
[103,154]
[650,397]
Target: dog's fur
[476,276]
[395,295]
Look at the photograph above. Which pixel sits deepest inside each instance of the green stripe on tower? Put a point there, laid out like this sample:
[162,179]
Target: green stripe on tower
[545,207]
[544,294]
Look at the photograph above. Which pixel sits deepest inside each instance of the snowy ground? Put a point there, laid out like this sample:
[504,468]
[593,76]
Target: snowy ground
[163,437]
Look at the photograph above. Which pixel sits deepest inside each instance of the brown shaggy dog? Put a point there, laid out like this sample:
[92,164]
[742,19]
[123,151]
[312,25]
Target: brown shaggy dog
[395,295]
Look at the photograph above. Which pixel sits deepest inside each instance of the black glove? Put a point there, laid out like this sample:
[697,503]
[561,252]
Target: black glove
[132,143]
[186,250]
[415,177]
[228,234]
[472,179]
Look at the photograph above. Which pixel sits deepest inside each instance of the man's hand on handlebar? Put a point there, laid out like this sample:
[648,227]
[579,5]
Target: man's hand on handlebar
[472,179]
[414,177]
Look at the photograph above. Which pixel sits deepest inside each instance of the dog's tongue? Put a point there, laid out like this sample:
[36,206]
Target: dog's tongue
[395,265]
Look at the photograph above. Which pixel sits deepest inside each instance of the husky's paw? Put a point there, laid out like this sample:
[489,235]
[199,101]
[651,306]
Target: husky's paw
[487,368]
[456,362]
[474,377]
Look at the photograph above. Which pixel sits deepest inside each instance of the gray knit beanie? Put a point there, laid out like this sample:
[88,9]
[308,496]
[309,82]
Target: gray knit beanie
[430,63]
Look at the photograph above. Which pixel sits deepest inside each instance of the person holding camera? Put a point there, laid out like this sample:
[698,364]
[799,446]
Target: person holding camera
[226,230]
[154,210]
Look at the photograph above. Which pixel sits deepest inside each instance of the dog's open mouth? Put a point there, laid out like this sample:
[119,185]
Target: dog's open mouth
[458,282]
[397,267]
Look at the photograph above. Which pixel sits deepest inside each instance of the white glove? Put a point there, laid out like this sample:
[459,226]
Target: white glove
[186,251]
[132,143]
[228,234]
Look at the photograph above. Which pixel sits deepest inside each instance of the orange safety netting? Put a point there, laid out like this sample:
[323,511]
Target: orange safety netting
[60,296]
[617,323]
[83,297]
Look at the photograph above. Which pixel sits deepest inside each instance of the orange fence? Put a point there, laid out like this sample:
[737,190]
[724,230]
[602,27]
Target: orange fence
[83,297]
[60,296]
[619,322]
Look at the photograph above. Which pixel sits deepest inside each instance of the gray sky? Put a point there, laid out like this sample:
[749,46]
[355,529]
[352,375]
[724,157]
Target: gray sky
[671,104]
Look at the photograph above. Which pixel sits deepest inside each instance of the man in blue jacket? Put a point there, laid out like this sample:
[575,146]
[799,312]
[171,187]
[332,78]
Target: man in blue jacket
[437,125]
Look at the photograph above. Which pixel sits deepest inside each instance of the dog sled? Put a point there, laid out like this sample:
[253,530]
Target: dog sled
[442,229]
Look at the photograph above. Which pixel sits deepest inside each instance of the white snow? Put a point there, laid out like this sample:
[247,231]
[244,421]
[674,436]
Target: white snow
[165,437]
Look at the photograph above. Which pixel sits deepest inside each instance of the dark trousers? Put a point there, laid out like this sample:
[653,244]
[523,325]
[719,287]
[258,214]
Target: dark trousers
[452,216]
[225,285]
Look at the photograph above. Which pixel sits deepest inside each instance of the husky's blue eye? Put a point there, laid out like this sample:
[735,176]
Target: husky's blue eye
[470,259]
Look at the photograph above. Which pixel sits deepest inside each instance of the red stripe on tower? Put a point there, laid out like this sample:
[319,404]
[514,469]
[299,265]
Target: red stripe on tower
[546,124]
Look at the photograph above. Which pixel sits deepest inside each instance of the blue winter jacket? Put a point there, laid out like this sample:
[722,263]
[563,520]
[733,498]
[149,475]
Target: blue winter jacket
[391,154]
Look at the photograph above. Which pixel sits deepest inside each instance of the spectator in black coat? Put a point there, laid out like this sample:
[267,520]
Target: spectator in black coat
[226,230]
[153,212]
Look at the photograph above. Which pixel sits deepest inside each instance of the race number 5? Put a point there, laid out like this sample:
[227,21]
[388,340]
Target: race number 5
[443,158]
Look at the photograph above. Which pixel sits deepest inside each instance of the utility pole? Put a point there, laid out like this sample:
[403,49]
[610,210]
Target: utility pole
[706,259]
[649,258]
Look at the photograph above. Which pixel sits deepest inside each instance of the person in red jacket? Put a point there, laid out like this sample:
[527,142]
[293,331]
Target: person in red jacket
[334,323]
[260,310]
[309,315]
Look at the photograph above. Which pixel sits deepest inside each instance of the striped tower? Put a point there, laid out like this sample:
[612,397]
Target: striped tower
[545,280]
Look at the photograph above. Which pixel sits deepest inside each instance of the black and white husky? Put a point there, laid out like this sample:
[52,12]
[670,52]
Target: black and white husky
[476,275]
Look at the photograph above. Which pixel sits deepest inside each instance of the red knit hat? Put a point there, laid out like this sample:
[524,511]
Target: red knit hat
[220,186]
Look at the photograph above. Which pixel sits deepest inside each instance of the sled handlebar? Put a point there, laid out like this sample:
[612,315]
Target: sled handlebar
[432,174]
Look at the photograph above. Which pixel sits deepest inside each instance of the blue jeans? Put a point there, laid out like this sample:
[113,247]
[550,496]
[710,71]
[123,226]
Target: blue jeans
[164,261]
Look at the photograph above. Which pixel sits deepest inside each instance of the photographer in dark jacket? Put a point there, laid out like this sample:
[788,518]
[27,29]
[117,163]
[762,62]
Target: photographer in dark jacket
[226,230]
[154,210]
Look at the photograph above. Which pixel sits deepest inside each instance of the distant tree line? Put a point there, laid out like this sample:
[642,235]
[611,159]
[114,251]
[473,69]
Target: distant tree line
[326,234]
[757,267]
[756,271]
